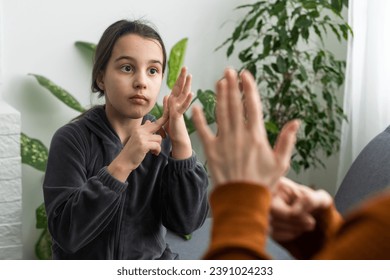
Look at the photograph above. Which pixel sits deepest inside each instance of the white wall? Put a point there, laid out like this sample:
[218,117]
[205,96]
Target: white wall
[10,174]
[39,38]
[1,47]
[10,184]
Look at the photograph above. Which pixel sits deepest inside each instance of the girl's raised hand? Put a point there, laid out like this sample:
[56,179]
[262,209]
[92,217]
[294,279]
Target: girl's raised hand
[178,102]
[181,96]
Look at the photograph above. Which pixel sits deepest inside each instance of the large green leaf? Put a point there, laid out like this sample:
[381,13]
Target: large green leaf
[43,246]
[157,111]
[337,5]
[59,92]
[175,62]
[40,214]
[208,100]
[90,47]
[33,152]
[187,236]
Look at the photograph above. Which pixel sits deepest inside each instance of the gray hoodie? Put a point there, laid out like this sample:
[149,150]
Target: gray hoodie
[91,215]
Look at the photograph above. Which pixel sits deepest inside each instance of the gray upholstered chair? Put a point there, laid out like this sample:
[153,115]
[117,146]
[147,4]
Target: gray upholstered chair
[195,248]
[368,174]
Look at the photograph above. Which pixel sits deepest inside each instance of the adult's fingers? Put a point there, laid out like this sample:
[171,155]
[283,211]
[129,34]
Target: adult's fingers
[324,199]
[280,209]
[285,144]
[222,107]
[292,220]
[317,199]
[235,105]
[294,226]
[252,102]
[283,236]
[291,215]
[204,132]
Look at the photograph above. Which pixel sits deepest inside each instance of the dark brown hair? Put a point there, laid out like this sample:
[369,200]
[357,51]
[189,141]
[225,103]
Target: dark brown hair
[107,42]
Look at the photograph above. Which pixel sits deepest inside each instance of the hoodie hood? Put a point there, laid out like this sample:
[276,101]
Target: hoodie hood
[96,120]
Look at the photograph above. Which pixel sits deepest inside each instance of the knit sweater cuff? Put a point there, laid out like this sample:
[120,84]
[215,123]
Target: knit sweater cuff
[183,164]
[240,213]
[108,180]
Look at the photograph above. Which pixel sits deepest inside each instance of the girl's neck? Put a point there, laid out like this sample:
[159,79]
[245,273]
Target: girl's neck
[123,126]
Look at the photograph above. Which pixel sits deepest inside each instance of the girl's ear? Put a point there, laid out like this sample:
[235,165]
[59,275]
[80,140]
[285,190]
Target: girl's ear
[100,81]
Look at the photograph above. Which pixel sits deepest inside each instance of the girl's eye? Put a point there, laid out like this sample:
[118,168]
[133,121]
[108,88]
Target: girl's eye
[153,71]
[127,68]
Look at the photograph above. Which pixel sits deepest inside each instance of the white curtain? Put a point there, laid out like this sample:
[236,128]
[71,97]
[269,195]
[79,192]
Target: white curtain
[367,90]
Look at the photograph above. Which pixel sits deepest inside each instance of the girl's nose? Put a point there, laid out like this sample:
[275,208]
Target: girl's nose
[140,81]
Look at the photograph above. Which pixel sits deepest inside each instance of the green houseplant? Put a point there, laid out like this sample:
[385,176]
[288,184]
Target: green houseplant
[282,43]
[35,154]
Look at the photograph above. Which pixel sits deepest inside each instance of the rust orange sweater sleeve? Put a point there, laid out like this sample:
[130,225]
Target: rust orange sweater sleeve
[364,234]
[240,228]
[240,222]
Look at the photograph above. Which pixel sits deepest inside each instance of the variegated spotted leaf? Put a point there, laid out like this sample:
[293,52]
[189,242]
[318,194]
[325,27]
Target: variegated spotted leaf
[33,152]
[59,92]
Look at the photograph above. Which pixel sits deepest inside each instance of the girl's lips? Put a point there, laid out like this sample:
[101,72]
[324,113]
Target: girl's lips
[139,96]
[138,99]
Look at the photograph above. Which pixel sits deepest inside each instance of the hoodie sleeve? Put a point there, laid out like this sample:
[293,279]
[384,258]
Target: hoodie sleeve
[78,208]
[184,190]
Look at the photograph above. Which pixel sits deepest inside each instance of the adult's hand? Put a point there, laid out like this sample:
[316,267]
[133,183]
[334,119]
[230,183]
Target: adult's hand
[241,151]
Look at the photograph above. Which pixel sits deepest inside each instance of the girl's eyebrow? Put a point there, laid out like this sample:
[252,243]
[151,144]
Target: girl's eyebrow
[130,58]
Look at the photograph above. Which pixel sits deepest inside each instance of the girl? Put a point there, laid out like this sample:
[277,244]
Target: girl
[113,183]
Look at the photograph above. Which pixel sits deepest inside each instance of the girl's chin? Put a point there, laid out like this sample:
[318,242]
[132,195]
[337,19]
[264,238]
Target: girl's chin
[132,111]
[136,114]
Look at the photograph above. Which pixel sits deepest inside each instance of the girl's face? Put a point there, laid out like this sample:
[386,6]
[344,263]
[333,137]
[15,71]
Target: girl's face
[133,76]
